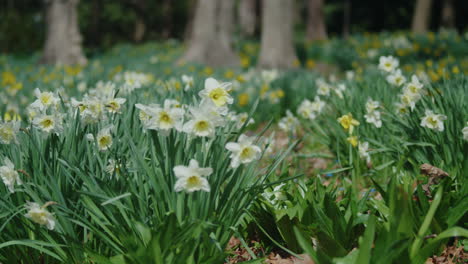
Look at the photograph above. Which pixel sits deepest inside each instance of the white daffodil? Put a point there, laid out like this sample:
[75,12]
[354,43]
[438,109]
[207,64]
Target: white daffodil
[372,105]
[401,108]
[323,88]
[414,87]
[9,175]
[188,82]
[115,104]
[388,64]
[289,123]
[49,123]
[217,93]
[163,118]
[203,121]
[192,178]
[396,78]
[363,148]
[318,105]
[241,119]
[410,99]
[465,132]
[305,110]
[104,139]
[40,215]
[350,75]
[44,100]
[8,131]
[374,118]
[115,167]
[243,151]
[92,110]
[433,121]
[339,90]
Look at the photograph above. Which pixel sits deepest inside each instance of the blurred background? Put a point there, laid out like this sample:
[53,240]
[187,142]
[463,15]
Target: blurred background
[105,23]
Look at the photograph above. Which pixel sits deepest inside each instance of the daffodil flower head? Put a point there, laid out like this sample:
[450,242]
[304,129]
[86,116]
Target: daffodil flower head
[8,132]
[44,100]
[388,64]
[9,175]
[40,215]
[104,138]
[49,123]
[216,92]
[353,140]
[348,122]
[192,178]
[243,151]
[433,121]
[203,122]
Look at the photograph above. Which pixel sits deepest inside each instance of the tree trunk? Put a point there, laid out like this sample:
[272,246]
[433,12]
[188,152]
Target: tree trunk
[448,14]
[210,42]
[277,47]
[421,16]
[247,17]
[140,22]
[63,39]
[316,29]
[347,19]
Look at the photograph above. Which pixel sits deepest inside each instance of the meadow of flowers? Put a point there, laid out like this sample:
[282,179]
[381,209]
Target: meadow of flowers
[134,159]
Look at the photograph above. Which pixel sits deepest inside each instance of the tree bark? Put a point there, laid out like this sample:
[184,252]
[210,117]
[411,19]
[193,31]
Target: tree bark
[140,22]
[316,29]
[63,38]
[277,46]
[247,17]
[421,16]
[210,41]
[448,14]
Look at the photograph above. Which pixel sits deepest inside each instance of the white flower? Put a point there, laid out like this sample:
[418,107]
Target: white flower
[269,75]
[162,118]
[323,88]
[363,148]
[374,118]
[243,151]
[89,137]
[388,64]
[188,81]
[372,105]
[433,121]
[289,122]
[44,100]
[115,167]
[318,105]
[40,215]
[410,99]
[9,175]
[350,75]
[465,132]
[192,178]
[115,104]
[305,110]
[216,92]
[104,139]
[414,87]
[8,132]
[339,90]
[204,121]
[241,119]
[49,123]
[396,78]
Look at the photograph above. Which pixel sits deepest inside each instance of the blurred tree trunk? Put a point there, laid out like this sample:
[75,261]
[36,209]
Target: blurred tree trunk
[277,47]
[448,14]
[247,17]
[347,18]
[167,25]
[421,16]
[316,29]
[63,39]
[210,41]
[140,23]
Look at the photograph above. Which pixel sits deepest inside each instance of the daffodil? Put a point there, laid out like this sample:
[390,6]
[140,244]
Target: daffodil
[465,132]
[433,121]
[414,87]
[44,100]
[305,110]
[388,64]
[353,140]
[396,78]
[40,215]
[8,131]
[163,118]
[115,104]
[104,139]
[9,175]
[348,122]
[203,122]
[216,92]
[243,151]
[188,82]
[323,88]
[49,123]
[363,148]
[289,123]
[192,178]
